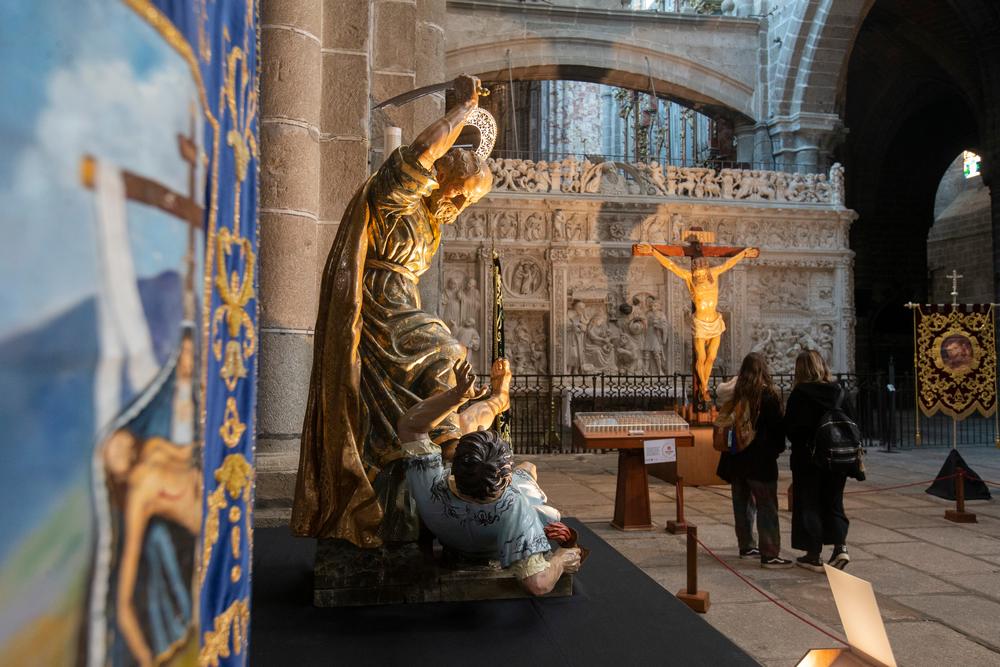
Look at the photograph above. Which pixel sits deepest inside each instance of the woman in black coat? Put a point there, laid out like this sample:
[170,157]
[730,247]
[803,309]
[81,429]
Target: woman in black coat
[754,412]
[818,516]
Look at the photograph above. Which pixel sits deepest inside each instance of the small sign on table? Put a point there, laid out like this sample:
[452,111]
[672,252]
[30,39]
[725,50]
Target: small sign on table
[661,450]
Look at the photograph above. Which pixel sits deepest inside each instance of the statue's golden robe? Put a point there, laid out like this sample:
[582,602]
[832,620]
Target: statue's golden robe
[376,353]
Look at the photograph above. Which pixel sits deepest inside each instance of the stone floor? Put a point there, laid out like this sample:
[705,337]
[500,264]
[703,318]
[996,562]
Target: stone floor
[938,583]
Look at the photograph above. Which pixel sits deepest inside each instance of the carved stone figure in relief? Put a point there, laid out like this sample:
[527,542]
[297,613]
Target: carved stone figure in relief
[506,226]
[538,357]
[534,227]
[558,226]
[450,307]
[470,301]
[468,336]
[576,338]
[627,354]
[656,338]
[526,278]
[475,226]
[600,349]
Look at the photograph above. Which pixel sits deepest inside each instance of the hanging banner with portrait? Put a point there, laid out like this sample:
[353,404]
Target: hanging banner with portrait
[956,359]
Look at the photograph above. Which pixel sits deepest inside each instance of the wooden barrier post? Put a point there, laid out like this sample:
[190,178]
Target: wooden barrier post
[678,526]
[959,515]
[691,596]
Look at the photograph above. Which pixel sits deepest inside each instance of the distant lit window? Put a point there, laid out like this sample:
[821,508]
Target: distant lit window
[971,164]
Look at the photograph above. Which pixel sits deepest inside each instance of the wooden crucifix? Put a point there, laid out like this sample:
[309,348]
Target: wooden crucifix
[702,281]
[183,207]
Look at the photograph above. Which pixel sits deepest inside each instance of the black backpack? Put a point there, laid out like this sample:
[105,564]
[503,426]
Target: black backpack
[836,444]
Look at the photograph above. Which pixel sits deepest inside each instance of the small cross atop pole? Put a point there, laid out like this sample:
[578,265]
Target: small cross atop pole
[954,275]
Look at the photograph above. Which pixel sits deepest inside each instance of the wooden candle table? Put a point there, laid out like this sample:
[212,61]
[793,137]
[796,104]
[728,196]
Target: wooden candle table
[627,432]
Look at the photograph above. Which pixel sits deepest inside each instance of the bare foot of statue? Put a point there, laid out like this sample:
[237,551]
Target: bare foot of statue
[500,377]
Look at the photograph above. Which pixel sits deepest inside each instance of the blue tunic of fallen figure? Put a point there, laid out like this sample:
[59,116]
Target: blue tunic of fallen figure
[486,507]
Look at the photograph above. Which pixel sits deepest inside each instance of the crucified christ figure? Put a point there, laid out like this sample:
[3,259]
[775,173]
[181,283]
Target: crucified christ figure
[703,283]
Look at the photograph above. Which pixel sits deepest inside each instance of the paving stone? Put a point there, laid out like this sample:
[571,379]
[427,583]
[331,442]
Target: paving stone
[930,558]
[957,538]
[889,578]
[862,532]
[930,644]
[969,614]
[982,584]
[897,518]
[766,631]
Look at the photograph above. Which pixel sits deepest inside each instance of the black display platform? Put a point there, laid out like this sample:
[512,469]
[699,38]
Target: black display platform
[617,616]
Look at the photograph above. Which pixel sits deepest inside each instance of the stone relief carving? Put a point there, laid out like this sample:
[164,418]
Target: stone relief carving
[571,176]
[525,278]
[620,335]
[565,248]
[528,342]
[780,343]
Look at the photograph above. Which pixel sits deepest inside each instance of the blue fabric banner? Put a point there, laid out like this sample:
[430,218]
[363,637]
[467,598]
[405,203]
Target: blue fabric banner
[128,333]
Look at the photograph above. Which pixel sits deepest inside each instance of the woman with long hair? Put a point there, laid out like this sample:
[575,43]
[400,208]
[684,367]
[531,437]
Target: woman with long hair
[758,438]
[818,516]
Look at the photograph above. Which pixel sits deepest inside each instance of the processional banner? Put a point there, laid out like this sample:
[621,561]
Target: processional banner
[955,358]
[128,204]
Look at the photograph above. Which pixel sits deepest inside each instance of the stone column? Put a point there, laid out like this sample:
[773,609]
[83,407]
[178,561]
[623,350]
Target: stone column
[289,210]
[744,135]
[803,141]
[429,62]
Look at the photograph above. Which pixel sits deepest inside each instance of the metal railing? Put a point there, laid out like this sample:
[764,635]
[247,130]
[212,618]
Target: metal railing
[543,407]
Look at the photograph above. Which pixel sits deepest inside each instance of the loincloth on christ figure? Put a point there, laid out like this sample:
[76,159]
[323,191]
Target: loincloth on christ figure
[707,329]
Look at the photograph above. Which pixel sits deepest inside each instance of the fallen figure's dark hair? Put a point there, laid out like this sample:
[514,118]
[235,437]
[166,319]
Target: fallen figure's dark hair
[483,465]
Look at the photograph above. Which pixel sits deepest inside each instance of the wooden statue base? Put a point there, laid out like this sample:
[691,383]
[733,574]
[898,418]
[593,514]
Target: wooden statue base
[632,493]
[346,576]
[699,601]
[694,416]
[960,517]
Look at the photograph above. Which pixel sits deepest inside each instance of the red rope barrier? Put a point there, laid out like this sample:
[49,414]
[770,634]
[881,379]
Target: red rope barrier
[901,486]
[769,597]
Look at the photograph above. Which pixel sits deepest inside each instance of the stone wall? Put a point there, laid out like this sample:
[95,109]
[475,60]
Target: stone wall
[323,63]
[961,239]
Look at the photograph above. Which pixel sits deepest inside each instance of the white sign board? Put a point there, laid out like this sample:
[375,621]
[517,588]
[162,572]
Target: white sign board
[860,616]
[663,450]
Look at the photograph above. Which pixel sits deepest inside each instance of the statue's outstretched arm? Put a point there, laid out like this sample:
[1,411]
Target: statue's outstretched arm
[417,422]
[671,266]
[735,259]
[440,136]
[481,414]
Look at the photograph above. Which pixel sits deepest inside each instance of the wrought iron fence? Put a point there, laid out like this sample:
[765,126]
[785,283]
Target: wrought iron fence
[543,407]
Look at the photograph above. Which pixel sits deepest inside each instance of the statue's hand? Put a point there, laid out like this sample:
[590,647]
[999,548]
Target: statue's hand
[752,253]
[465,382]
[642,250]
[570,559]
[467,89]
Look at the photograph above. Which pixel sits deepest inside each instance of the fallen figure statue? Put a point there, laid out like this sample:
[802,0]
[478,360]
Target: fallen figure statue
[487,507]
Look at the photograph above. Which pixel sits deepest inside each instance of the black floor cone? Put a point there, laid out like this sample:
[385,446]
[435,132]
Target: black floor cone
[945,488]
